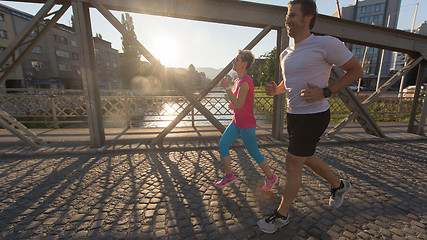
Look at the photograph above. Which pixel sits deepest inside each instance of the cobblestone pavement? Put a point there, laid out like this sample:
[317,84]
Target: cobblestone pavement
[171,195]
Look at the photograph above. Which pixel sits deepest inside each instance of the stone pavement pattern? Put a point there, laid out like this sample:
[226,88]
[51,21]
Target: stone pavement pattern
[171,195]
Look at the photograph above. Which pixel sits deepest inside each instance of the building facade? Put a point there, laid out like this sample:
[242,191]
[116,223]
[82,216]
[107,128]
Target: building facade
[383,13]
[107,59]
[55,62]
[7,36]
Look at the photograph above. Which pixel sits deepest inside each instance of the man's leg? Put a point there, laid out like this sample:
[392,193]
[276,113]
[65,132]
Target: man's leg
[280,217]
[294,166]
[338,188]
[318,166]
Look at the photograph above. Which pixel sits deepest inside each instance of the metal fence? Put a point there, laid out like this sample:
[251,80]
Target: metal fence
[58,108]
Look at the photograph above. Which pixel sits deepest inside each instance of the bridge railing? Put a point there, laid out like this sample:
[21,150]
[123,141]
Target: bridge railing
[58,108]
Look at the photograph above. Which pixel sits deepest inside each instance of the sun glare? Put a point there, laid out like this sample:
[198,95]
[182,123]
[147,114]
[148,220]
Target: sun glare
[166,50]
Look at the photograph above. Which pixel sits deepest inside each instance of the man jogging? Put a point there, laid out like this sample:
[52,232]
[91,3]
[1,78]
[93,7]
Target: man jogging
[306,67]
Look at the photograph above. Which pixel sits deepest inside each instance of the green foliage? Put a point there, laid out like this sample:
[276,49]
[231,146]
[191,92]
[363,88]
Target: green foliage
[128,48]
[382,110]
[264,68]
[131,64]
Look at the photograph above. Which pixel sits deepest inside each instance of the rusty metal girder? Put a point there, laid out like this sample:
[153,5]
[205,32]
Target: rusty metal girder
[193,100]
[356,107]
[259,15]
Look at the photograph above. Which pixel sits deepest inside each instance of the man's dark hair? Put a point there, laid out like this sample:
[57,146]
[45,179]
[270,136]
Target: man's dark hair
[308,7]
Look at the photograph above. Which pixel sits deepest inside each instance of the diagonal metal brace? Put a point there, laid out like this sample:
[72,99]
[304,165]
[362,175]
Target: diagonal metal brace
[359,110]
[206,90]
[12,49]
[19,130]
[353,115]
[195,102]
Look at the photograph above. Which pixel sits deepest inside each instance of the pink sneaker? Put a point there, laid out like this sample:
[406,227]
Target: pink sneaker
[269,184]
[225,181]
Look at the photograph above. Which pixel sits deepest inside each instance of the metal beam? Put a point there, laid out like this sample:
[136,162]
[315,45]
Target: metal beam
[19,130]
[12,54]
[168,74]
[89,73]
[375,95]
[279,100]
[207,89]
[372,36]
[412,128]
[356,107]
[259,15]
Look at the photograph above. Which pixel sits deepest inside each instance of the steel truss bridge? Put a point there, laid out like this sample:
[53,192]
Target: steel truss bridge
[265,17]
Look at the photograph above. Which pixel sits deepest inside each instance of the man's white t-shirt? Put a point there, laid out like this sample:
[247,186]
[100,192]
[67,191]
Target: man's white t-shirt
[310,61]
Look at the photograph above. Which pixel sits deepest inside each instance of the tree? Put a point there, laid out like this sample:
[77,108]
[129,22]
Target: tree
[98,35]
[263,69]
[131,62]
[72,21]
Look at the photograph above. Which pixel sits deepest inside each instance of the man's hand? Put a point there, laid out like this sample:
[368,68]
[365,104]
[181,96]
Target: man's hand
[313,94]
[271,88]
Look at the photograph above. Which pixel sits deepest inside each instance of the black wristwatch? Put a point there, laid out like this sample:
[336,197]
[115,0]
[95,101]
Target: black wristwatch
[327,92]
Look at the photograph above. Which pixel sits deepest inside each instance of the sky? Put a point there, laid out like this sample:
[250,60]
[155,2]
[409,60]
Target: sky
[179,42]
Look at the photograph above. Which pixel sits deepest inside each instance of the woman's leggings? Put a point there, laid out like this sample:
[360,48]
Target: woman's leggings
[249,139]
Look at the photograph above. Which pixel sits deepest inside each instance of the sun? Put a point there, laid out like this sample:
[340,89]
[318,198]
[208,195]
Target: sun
[166,50]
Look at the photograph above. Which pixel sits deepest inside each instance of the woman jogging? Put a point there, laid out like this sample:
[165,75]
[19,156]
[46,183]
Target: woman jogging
[243,124]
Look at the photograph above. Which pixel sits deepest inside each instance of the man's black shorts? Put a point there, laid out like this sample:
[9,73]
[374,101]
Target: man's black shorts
[305,131]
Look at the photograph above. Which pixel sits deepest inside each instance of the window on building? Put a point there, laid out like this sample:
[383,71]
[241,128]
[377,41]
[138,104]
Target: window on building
[63,54]
[37,65]
[67,67]
[107,63]
[376,18]
[114,65]
[73,43]
[75,56]
[61,67]
[2,49]
[37,49]
[1,17]
[377,7]
[60,39]
[3,34]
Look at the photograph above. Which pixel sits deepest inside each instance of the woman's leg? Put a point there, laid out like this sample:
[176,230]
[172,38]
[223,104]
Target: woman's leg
[228,137]
[251,144]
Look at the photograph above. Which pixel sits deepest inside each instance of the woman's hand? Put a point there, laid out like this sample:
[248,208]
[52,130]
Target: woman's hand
[230,105]
[225,82]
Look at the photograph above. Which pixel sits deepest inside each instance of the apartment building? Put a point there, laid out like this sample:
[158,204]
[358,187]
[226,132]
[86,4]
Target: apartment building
[7,35]
[55,61]
[383,13]
[107,59]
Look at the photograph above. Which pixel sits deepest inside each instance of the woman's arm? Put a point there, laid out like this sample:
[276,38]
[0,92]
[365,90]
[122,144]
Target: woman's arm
[241,96]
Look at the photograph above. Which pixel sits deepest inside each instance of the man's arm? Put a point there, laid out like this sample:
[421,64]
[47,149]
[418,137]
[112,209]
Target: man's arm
[273,89]
[352,72]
